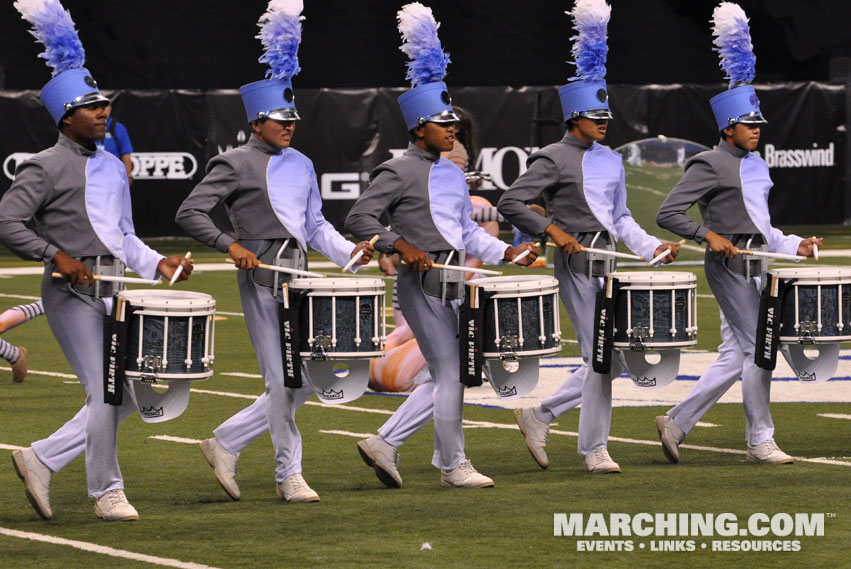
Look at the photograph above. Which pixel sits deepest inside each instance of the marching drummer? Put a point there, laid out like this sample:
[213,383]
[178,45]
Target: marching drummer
[78,195]
[731,185]
[583,182]
[430,211]
[272,198]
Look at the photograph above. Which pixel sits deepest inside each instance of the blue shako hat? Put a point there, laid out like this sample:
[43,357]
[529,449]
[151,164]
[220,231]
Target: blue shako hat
[72,85]
[586,95]
[739,104]
[280,34]
[428,100]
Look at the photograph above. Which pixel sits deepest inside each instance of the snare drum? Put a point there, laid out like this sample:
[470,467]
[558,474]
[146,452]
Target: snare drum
[170,335]
[341,318]
[817,309]
[521,316]
[655,310]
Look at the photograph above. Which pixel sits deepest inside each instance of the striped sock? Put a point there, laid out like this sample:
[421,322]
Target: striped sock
[31,310]
[9,352]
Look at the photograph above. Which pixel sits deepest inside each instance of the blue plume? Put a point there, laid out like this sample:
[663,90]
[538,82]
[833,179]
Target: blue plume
[280,34]
[422,46]
[54,28]
[733,42]
[590,20]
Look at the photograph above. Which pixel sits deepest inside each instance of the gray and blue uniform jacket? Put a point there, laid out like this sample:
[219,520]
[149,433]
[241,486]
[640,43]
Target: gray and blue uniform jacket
[429,206]
[80,202]
[584,187]
[730,186]
[268,194]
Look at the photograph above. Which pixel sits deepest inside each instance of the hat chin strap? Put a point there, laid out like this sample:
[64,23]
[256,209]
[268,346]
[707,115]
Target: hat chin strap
[815,370]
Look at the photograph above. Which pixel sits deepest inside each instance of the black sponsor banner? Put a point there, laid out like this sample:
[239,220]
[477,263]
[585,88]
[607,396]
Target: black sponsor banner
[347,132]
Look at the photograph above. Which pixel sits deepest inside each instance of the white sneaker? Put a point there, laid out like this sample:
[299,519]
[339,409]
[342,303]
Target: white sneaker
[224,466]
[295,489]
[768,453]
[384,458]
[598,461]
[114,507]
[36,478]
[536,434]
[19,368]
[465,476]
[671,436]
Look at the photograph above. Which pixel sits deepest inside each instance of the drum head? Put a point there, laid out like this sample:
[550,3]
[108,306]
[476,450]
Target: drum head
[517,283]
[338,381]
[655,279]
[168,299]
[514,378]
[348,285]
[813,370]
[820,275]
[157,406]
[652,375]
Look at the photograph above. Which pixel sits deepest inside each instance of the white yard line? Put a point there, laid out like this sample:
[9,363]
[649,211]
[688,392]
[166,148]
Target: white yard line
[835,416]
[103,550]
[21,296]
[175,439]
[347,434]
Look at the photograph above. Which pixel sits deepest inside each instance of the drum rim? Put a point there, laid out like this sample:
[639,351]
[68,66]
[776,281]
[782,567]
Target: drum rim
[655,277]
[515,282]
[339,283]
[827,272]
[160,298]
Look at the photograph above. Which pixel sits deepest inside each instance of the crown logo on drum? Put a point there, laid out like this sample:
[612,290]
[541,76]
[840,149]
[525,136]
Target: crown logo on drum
[645,381]
[151,411]
[804,376]
[506,391]
[330,394]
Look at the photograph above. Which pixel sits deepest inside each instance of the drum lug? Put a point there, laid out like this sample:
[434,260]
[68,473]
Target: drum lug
[508,346]
[150,366]
[636,340]
[321,343]
[807,331]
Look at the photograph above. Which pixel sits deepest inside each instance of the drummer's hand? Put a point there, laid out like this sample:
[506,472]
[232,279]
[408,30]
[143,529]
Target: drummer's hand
[805,249]
[416,258]
[512,252]
[563,241]
[72,270]
[167,266]
[720,245]
[675,250]
[242,257]
[387,264]
[368,250]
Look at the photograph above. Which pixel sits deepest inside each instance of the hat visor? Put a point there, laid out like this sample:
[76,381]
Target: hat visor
[87,99]
[751,118]
[289,114]
[597,114]
[443,117]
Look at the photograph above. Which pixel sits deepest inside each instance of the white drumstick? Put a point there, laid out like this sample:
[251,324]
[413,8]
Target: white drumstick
[179,270]
[109,279]
[463,269]
[521,256]
[602,252]
[357,257]
[815,248]
[287,270]
[768,255]
[664,254]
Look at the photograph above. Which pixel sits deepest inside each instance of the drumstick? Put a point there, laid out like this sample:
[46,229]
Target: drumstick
[179,270]
[602,252]
[109,279]
[521,256]
[664,254]
[357,257]
[284,270]
[815,248]
[771,255]
[463,269]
